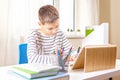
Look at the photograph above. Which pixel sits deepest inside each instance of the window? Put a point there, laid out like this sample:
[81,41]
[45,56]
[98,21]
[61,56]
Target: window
[74,14]
[66,11]
[77,14]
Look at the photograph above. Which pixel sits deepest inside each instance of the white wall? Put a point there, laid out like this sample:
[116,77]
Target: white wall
[76,42]
[115,24]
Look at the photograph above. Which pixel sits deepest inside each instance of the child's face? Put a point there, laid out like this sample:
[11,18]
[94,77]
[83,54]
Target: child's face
[50,29]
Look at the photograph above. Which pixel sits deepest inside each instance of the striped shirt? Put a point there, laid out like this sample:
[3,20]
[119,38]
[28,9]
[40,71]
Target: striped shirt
[41,48]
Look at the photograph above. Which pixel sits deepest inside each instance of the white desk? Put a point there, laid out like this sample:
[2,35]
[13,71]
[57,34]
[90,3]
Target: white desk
[96,75]
[74,74]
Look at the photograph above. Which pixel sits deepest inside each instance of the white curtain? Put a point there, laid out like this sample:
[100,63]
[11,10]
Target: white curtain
[16,18]
[87,14]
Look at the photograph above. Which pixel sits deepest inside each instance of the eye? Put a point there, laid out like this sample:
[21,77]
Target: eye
[56,27]
[50,28]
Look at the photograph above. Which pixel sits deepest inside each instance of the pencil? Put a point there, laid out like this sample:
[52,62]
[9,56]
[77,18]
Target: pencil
[65,59]
[78,50]
[70,50]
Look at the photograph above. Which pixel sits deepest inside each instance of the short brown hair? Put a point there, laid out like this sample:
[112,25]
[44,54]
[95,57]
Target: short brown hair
[48,14]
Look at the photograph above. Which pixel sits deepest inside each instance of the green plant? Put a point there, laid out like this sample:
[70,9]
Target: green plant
[78,30]
[70,30]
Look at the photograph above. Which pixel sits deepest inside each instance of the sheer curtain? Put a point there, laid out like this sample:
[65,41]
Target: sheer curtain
[16,18]
[87,14]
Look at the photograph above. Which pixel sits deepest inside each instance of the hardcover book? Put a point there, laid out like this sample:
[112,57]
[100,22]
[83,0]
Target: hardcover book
[35,70]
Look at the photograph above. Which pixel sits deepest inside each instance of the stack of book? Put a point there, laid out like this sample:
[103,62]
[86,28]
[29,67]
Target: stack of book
[35,70]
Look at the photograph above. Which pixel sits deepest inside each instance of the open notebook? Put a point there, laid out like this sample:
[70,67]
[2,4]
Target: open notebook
[93,58]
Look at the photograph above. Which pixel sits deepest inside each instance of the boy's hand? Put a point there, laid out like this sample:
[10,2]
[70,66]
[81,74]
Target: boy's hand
[72,58]
[61,52]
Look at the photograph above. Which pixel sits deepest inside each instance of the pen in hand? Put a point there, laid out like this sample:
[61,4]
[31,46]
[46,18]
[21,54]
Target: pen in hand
[66,58]
[78,51]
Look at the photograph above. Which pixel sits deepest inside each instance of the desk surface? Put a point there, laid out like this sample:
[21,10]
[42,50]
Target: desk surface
[74,74]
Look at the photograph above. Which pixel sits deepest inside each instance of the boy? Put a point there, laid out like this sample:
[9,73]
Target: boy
[43,43]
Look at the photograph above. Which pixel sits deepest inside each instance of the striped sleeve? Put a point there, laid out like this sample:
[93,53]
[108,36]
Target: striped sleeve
[33,51]
[66,44]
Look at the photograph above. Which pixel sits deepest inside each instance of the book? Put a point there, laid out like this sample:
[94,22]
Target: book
[35,70]
[60,76]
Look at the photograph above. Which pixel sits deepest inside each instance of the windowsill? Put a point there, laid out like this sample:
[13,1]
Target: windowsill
[74,35]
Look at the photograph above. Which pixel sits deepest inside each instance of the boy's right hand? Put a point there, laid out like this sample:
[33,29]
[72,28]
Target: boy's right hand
[71,58]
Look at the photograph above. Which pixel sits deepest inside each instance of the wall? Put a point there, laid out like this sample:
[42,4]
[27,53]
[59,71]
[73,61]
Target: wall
[104,12]
[76,42]
[115,24]
[109,12]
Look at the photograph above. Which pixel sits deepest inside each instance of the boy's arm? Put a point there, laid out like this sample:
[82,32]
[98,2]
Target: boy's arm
[68,50]
[33,52]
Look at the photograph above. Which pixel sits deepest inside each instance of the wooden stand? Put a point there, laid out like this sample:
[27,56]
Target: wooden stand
[93,58]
